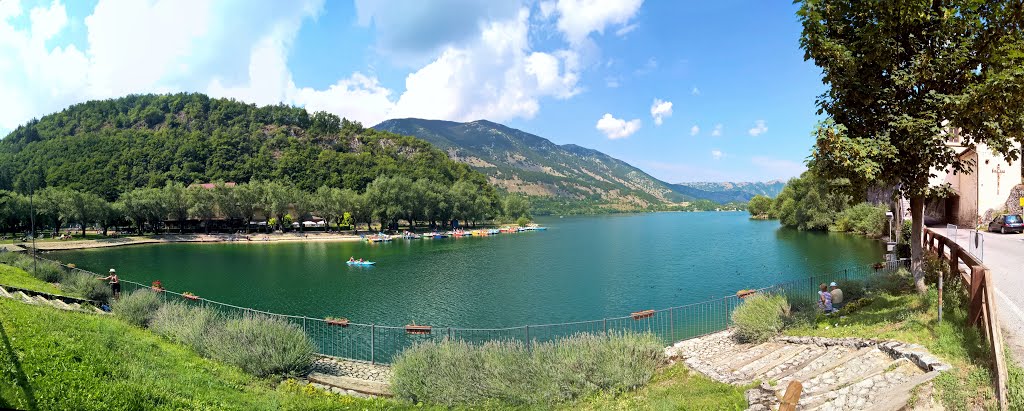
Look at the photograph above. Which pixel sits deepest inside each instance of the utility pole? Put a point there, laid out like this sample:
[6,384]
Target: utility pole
[32,219]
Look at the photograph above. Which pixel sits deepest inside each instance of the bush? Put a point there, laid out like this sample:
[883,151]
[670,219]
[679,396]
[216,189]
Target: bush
[86,286]
[892,283]
[455,373]
[137,308]
[935,267]
[186,325]
[852,290]
[760,317]
[262,345]
[803,310]
[862,218]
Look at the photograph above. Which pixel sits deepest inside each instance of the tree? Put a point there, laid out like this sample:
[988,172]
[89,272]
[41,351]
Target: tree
[903,74]
[514,206]
[52,206]
[302,203]
[176,203]
[202,204]
[759,206]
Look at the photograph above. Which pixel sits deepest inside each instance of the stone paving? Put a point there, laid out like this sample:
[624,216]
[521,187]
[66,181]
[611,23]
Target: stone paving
[353,369]
[836,374]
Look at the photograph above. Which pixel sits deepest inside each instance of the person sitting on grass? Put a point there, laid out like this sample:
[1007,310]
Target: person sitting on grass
[837,295]
[824,299]
[115,284]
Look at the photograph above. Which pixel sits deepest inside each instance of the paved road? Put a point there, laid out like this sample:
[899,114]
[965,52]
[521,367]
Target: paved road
[1004,255]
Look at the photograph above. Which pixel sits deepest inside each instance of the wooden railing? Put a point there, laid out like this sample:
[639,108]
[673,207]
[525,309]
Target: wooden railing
[981,311]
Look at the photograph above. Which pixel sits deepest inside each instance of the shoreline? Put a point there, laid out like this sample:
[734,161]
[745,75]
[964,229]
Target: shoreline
[256,238]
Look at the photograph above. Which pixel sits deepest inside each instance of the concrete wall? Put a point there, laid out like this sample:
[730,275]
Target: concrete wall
[967,186]
[992,194]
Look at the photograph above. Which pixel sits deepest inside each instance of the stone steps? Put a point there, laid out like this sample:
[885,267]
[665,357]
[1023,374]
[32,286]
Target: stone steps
[836,374]
[38,299]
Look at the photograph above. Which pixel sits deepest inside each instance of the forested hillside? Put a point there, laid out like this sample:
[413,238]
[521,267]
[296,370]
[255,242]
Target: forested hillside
[724,192]
[110,147]
[559,178]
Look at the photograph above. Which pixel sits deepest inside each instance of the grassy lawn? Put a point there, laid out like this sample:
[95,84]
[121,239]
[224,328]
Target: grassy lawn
[672,388]
[52,359]
[913,319]
[17,277]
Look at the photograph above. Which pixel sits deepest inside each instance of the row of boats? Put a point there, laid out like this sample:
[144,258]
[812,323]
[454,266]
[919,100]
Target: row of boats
[457,233]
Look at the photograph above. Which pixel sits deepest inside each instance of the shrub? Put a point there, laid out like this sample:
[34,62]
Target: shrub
[455,373]
[803,310]
[137,308]
[934,267]
[86,286]
[852,289]
[186,325]
[893,283]
[760,317]
[262,345]
[862,218]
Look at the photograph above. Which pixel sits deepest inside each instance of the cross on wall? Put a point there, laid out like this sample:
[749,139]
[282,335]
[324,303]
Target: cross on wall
[999,173]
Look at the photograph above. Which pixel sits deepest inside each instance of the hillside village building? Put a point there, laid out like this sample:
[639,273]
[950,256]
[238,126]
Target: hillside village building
[992,185]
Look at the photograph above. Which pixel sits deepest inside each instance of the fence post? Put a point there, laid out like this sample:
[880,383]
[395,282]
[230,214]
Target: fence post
[671,327]
[373,328]
[604,324]
[527,328]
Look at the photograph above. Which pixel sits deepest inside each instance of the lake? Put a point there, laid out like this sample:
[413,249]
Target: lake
[581,268]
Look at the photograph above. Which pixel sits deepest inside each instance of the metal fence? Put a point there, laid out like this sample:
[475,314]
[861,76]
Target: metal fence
[380,344]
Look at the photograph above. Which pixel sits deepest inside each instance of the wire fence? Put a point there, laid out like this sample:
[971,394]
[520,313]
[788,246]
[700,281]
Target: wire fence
[380,343]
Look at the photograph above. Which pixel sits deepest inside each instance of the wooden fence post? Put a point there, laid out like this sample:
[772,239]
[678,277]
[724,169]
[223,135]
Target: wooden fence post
[976,295]
[792,396]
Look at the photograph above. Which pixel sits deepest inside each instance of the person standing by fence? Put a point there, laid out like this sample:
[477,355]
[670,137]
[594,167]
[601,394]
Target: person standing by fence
[824,299]
[115,284]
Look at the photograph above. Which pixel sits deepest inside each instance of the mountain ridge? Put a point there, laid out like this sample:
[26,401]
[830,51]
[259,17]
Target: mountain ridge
[521,162]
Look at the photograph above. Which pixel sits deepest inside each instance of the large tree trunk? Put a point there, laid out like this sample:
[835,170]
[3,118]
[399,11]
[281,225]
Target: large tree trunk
[83,229]
[916,237]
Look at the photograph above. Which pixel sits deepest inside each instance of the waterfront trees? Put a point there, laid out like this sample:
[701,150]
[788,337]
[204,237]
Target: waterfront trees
[759,206]
[902,77]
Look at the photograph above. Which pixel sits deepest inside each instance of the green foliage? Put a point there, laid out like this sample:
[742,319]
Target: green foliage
[760,317]
[893,283]
[522,221]
[87,286]
[146,150]
[675,387]
[262,346]
[863,218]
[852,289]
[456,373]
[760,206]
[189,326]
[17,277]
[137,308]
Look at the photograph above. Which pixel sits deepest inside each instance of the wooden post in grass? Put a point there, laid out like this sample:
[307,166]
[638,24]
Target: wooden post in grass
[792,396]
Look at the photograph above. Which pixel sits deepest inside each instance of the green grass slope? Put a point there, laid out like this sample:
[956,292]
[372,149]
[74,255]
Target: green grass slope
[16,277]
[56,360]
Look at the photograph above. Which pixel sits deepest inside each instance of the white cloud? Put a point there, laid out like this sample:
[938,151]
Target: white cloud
[578,18]
[694,130]
[625,30]
[717,154]
[648,67]
[497,77]
[358,97]
[695,91]
[661,109]
[611,82]
[616,128]
[717,132]
[240,49]
[759,128]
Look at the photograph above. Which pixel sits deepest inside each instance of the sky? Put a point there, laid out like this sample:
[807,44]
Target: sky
[685,90]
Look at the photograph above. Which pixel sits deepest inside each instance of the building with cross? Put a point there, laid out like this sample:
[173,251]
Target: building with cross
[985,190]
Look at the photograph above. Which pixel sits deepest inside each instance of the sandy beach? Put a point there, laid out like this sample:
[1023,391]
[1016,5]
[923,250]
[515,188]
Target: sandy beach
[255,238]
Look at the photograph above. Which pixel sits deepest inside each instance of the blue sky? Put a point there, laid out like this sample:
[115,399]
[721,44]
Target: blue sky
[687,91]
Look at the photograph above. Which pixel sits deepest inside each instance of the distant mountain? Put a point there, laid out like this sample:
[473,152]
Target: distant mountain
[521,162]
[725,192]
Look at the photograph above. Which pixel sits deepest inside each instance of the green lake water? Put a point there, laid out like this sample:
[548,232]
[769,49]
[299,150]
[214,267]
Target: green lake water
[581,268]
